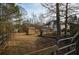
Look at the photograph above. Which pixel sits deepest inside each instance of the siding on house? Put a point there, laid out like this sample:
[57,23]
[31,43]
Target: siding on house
[53,26]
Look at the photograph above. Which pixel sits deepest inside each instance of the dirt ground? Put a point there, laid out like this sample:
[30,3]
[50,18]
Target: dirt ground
[20,43]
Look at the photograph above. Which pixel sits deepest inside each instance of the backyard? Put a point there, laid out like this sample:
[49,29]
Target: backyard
[20,43]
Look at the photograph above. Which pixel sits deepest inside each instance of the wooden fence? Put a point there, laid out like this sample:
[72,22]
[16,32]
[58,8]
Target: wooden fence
[45,51]
[69,45]
[3,37]
[3,41]
[66,46]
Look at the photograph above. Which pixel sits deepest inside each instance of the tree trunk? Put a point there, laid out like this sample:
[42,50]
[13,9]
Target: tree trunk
[41,32]
[66,19]
[58,20]
[27,31]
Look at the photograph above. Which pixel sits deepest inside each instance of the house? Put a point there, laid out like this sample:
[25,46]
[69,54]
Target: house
[53,25]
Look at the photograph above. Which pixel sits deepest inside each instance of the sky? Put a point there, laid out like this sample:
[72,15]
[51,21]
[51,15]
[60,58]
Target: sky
[35,8]
[31,8]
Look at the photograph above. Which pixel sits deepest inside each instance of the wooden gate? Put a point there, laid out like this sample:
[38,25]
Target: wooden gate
[68,46]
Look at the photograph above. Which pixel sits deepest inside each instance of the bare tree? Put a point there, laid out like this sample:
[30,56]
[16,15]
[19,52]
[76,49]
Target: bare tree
[54,13]
[65,10]
[70,9]
[66,19]
[58,19]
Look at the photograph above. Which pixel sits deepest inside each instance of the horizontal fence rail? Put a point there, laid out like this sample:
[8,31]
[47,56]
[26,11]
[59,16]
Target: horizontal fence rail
[70,52]
[45,51]
[65,39]
[67,46]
